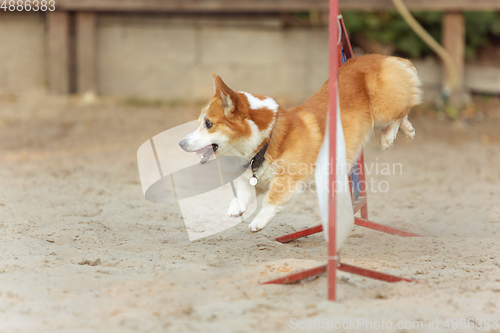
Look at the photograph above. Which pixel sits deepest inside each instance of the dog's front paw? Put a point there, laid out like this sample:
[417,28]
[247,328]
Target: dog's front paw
[257,225]
[236,208]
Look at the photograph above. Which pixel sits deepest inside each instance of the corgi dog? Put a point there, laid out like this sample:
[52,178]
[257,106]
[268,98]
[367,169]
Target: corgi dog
[375,91]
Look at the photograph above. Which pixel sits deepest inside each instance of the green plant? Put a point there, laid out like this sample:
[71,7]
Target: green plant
[480,27]
[390,28]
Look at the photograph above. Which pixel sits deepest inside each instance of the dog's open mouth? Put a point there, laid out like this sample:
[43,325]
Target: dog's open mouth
[207,152]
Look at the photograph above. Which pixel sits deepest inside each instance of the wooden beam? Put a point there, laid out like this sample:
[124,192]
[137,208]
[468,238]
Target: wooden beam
[86,52]
[221,6]
[58,52]
[193,5]
[454,43]
[423,5]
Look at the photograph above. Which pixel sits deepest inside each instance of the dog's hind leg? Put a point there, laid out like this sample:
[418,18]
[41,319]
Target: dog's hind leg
[407,128]
[388,134]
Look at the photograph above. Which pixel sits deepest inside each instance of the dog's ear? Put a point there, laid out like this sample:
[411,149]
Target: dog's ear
[226,95]
[216,85]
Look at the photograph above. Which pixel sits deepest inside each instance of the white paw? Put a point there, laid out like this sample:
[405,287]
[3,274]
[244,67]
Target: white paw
[386,140]
[408,129]
[236,208]
[257,225]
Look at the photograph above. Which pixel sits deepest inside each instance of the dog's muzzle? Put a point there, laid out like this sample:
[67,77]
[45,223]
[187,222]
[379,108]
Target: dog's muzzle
[204,153]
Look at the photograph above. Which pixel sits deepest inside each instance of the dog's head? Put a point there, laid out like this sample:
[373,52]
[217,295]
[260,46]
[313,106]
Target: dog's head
[232,123]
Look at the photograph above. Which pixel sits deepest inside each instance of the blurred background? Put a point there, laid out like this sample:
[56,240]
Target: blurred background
[83,87]
[164,51]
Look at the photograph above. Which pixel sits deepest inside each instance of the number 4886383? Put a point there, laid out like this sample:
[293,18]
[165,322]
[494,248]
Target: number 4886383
[28,5]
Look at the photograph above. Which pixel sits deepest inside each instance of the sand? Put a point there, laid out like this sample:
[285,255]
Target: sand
[81,250]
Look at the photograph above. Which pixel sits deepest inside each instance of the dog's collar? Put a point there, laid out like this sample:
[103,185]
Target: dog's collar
[258,159]
[256,162]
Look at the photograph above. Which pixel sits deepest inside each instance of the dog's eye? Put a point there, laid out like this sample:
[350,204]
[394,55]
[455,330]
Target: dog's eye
[208,124]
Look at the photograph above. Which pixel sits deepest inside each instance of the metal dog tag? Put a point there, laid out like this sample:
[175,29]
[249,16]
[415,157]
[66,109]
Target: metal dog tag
[253,181]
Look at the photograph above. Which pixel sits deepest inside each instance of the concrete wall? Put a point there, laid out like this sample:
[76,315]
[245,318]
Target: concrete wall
[173,58]
[22,51]
[164,57]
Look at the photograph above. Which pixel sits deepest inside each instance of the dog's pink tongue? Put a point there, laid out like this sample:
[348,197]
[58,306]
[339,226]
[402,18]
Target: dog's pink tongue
[205,154]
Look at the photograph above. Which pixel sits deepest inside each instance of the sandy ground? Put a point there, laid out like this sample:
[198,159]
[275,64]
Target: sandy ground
[81,250]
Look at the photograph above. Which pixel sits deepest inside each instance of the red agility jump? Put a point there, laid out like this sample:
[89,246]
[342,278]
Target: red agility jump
[360,205]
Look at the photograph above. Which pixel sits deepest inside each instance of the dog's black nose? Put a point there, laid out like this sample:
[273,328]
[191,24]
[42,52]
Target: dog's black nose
[182,144]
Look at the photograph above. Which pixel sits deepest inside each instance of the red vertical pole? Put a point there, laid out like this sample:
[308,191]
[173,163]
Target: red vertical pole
[332,207]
